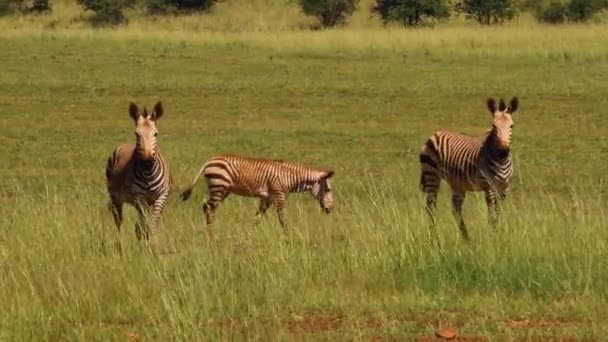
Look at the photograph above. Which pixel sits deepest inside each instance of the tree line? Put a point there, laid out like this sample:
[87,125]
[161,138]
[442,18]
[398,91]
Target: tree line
[331,13]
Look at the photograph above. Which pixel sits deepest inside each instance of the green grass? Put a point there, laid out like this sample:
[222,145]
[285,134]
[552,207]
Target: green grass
[359,102]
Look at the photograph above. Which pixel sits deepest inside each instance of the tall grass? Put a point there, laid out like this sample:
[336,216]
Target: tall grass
[372,258]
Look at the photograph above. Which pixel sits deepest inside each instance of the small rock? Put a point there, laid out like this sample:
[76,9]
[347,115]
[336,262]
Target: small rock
[448,333]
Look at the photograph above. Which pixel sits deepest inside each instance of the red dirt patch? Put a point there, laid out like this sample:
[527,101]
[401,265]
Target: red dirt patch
[457,339]
[381,327]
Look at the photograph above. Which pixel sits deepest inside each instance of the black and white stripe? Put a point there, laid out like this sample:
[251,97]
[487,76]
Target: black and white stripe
[269,180]
[470,164]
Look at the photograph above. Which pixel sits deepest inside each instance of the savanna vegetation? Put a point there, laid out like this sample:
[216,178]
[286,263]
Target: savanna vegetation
[250,78]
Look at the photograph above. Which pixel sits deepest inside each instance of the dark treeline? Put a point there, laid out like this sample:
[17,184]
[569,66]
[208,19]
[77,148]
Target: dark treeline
[330,13]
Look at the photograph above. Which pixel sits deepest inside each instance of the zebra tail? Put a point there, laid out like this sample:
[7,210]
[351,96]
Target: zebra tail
[428,161]
[109,166]
[188,192]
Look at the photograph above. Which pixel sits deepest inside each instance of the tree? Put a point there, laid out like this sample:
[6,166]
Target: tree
[107,11]
[411,12]
[329,12]
[488,12]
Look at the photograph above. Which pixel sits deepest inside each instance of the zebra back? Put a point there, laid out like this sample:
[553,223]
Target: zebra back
[248,175]
[466,162]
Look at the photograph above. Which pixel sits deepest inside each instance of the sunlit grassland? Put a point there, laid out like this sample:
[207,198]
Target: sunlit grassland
[360,102]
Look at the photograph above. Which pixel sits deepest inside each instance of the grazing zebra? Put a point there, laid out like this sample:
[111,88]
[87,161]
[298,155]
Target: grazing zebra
[138,174]
[269,180]
[470,164]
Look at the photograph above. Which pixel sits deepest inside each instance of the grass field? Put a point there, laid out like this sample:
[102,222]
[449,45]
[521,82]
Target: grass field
[360,102]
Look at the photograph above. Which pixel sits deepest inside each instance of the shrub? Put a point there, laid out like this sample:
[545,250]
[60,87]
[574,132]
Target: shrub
[40,6]
[173,6]
[555,13]
[329,12]
[488,12]
[583,10]
[530,5]
[107,11]
[411,12]
[160,6]
[575,10]
[6,7]
[21,6]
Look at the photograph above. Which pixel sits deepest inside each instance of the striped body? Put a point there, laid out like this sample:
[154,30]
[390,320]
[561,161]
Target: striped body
[269,180]
[138,174]
[466,163]
[470,163]
[133,181]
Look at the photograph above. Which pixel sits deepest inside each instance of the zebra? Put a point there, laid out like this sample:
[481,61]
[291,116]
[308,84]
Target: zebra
[470,164]
[269,180]
[138,174]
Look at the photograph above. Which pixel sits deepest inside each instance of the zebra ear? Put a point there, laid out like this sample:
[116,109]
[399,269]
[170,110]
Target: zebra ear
[513,105]
[328,175]
[502,106]
[491,105]
[157,111]
[133,111]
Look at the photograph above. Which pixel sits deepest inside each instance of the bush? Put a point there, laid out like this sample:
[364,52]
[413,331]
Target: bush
[575,11]
[160,6]
[6,7]
[21,6]
[555,13]
[488,12]
[107,11]
[529,5]
[329,12]
[411,12]
[583,10]
[40,6]
[174,6]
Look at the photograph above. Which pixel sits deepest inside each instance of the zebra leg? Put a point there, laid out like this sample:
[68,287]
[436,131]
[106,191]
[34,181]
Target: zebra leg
[503,194]
[141,226]
[431,206]
[492,208]
[279,202]
[116,208]
[457,201]
[431,209]
[209,207]
[429,183]
[158,207]
[262,208]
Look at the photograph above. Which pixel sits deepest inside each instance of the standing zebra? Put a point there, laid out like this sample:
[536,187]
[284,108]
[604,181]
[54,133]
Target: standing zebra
[269,180]
[138,174]
[470,164]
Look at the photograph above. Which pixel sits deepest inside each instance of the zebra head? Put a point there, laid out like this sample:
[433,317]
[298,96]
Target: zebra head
[502,120]
[145,129]
[322,191]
